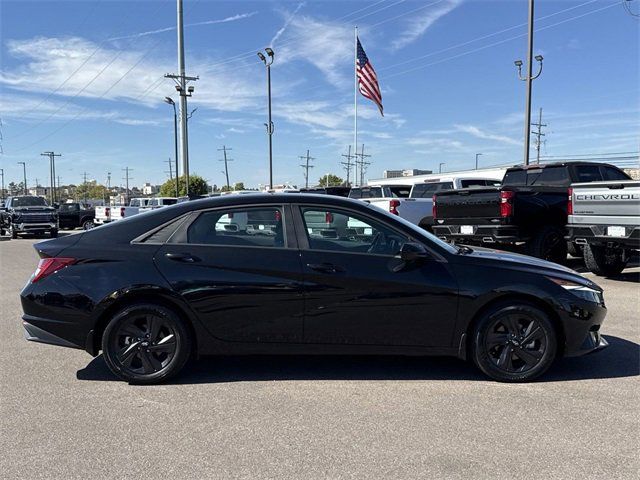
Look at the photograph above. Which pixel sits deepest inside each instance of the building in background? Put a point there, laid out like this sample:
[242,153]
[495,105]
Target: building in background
[149,189]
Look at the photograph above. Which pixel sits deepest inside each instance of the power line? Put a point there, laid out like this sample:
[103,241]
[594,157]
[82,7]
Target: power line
[627,7]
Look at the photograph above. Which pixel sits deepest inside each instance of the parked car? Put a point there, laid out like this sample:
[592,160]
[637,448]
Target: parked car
[336,190]
[108,214]
[29,214]
[74,215]
[158,202]
[604,220]
[173,286]
[529,209]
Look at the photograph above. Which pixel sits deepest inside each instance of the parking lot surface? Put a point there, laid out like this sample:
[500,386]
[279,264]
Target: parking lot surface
[64,415]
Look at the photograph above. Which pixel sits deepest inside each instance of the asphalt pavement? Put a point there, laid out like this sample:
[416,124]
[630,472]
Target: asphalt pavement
[63,415]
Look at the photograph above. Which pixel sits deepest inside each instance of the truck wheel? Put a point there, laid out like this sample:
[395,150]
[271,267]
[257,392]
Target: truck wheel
[604,261]
[13,232]
[548,244]
[87,225]
[54,233]
[574,250]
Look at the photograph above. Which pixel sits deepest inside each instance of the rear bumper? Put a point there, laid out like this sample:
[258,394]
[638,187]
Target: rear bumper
[598,235]
[482,234]
[36,334]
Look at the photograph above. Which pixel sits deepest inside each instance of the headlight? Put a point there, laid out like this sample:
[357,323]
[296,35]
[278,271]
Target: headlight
[581,291]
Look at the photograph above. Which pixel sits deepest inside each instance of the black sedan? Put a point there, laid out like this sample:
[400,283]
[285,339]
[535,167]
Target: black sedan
[300,274]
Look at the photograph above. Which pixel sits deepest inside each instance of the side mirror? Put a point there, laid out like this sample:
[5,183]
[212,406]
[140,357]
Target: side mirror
[410,252]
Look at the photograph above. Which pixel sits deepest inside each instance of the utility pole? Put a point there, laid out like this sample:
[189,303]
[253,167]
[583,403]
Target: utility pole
[224,149]
[347,164]
[126,179]
[181,80]
[52,172]
[58,183]
[477,155]
[108,187]
[2,174]
[86,187]
[539,135]
[440,167]
[528,78]
[363,164]
[24,171]
[170,172]
[306,167]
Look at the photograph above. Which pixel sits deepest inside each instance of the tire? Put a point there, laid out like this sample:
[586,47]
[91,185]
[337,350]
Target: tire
[500,347]
[574,250]
[53,233]
[548,244]
[13,232]
[146,344]
[602,261]
[87,225]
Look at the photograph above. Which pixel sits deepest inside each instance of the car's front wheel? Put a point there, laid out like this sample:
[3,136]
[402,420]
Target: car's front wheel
[514,342]
[146,344]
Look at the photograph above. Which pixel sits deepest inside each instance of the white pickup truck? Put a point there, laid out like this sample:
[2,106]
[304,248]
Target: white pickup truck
[108,214]
[604,220]
[157,202]
[415,202]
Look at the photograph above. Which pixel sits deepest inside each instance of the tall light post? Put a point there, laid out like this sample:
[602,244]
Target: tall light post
[24,172]
[268,61]
[170,101]
[529,79]
[477,155]
[440,167]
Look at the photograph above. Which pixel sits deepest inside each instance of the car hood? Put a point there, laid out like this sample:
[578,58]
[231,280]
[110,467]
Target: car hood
[526,263]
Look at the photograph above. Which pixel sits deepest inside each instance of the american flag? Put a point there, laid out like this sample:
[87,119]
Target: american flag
[367,78]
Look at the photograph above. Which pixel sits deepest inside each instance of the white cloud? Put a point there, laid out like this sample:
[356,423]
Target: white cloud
[478,133]
[233,18]
[288,20]
[420,23]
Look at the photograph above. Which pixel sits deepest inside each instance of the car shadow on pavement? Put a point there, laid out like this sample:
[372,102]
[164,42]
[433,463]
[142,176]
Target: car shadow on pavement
[619,360]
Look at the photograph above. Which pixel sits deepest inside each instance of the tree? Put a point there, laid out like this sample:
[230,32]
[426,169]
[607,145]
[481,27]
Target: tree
[239,186]
[330,180]
[91,190]
[197,186]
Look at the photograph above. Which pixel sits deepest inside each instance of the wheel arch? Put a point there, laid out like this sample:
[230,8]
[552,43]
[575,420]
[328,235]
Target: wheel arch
[510,298]
[94,340]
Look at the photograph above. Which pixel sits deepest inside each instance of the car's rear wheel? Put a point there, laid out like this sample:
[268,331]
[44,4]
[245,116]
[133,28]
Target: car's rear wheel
[514,343]
[146,344]
[549,244]
[87,225]
[604,261]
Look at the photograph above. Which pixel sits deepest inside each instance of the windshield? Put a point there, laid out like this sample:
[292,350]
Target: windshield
[67,207]
[419,231]
[366,192]
[426,190]
[29,202]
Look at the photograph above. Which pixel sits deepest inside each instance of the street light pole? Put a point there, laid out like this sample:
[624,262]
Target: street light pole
[440,167]
[24,171]
[529,79]
[477,155]
[269,125]
[170,101]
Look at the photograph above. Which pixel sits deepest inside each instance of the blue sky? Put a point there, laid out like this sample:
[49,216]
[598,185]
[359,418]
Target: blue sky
[84,78]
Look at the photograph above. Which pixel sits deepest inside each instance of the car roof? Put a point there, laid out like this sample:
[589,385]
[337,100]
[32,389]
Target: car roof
[558,164]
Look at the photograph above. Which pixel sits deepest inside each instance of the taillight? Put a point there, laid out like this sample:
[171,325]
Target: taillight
[328,217]
[570,202]
[278,216]
[122,210]
[107,212]
[47,266]
[434,208]
[393,206]
[506,203]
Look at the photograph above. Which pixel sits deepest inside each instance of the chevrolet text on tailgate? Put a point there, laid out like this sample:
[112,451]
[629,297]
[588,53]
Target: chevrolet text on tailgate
[604,220]
[530,208]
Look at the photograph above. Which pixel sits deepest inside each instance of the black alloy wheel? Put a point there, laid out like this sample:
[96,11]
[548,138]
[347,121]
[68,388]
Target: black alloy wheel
[146,344]
[549,244]
[515,343]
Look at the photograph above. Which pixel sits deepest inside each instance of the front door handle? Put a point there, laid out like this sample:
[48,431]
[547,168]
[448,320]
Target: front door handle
[325,267]
[182,257]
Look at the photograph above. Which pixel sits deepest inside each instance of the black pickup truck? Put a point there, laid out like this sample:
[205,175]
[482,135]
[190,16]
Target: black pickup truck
[529,209]
[74,215]
[27,214]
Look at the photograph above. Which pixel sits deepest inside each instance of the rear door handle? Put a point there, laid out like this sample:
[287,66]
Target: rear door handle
[325,267]
[182,257]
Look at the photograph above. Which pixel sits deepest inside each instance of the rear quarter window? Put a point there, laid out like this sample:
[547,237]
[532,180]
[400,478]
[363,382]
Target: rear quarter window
[588,173]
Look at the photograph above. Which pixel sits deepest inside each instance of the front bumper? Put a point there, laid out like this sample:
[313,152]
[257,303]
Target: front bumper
[598,235]
[34,227]
[482,234]
[581,322]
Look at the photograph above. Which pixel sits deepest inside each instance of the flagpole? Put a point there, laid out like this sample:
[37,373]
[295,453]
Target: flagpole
[355,101]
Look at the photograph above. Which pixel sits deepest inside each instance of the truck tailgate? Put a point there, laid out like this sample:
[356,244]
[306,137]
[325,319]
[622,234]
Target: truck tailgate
[472,204]
[617,199]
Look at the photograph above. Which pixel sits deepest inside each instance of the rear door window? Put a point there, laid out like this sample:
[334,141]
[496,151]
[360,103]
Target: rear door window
[552,176]
[427,190]
[400,191]
[610,173]
[588,173]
